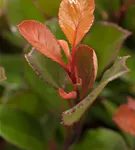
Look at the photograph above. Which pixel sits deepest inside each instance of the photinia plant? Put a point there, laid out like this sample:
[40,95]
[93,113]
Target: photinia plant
[75,19]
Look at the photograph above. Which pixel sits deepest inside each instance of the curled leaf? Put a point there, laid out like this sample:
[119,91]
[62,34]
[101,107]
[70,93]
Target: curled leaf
[86,66]
[76,18]
[39,36]
[65,95]
[125,119]
[2,74]
[74,114]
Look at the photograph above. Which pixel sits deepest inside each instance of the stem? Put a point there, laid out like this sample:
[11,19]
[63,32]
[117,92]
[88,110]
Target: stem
[52,145]
[68,138]
[70,103]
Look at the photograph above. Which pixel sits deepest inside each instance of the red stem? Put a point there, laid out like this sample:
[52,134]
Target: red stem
[68,137]
[70,103]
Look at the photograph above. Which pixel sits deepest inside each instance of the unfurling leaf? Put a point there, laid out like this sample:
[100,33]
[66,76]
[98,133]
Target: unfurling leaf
[125,119]
[48,70]
[2,74]
[74,114]
[39,36]
[76,18]
[70,95]
[86,66]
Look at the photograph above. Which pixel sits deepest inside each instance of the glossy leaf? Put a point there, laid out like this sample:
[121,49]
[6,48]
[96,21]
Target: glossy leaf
[125,119]
[48,70]
[103,139]
[76,18]
[106,39]
[39,36]
[20,129]
[2,74]
[86,66]
[74,114]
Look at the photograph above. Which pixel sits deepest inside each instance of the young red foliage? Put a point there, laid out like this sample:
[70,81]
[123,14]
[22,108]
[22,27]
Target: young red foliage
[86,66]
[125,117]
[76,18]
[70,95]
[42,39]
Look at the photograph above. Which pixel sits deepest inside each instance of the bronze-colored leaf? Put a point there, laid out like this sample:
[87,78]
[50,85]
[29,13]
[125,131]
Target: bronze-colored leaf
[86,66]
[39,36]
[76,18]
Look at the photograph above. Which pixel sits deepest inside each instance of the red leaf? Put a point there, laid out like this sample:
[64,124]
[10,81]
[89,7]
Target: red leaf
[86,66]
[125,119]
[76,18]
[65,48]
[71,95]
[39,36]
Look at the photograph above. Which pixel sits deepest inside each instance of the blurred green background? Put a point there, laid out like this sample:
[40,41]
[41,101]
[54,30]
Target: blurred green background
[30,109]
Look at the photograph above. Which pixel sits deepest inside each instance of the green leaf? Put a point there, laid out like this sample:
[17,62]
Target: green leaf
[20,129]
[2,74]
[44,91]
[106,39]
[103,139]
[27,102]
[48,70]
[49,8]
[74,114]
